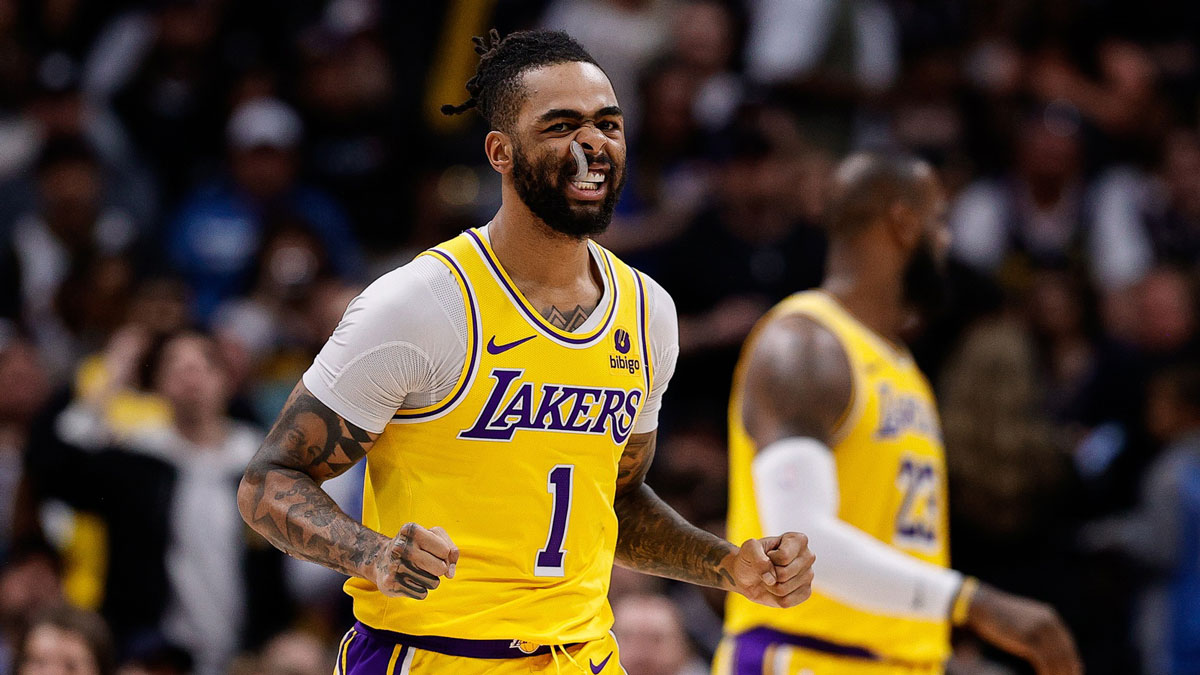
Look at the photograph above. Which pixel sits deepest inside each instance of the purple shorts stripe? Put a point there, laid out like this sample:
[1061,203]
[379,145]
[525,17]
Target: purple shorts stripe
[751,646]
[474,649]
[365,656]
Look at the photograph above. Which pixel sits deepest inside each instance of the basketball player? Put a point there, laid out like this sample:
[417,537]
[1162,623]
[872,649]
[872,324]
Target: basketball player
[834,430]
[506,384]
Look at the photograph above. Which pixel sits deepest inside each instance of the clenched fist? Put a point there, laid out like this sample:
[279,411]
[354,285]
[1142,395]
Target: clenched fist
[773,571]
[413,562]
[1024,627]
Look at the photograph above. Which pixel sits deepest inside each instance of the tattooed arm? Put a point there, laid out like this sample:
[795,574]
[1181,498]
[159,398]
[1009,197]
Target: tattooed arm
[281,498]
[654,539]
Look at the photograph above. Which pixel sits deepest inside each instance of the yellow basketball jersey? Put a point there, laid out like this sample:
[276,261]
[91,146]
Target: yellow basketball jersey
[518,463]
[891,478]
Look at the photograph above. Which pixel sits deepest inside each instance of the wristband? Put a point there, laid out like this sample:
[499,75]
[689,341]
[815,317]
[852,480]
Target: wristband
[962,602]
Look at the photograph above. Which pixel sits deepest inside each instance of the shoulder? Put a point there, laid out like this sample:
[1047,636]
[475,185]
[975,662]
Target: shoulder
[798,340]
[662,319]
[414,303]
[658,300]
[798,377]
[405,285]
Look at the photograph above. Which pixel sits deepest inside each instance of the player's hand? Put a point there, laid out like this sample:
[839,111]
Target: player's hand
[1027,628]
[774,571]
[414,561]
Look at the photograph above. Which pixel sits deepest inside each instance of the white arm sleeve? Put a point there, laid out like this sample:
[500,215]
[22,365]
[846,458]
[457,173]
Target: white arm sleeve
[400,344]
[663,335]
[795,481]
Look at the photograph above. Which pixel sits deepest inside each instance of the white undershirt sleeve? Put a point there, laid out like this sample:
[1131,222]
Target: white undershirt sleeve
[795,482]
[663,334]
[400,344]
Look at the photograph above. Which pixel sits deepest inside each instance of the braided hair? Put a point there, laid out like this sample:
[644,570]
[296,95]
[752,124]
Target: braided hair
[496,88]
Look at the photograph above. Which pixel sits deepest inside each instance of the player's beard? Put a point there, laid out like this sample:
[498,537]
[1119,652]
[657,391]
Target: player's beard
[925,280]
[541,184]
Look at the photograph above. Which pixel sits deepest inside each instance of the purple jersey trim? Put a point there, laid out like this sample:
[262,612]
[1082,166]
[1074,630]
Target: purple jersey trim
[473,353]
[533,317]
[643,313]
[751,647]
[473,649]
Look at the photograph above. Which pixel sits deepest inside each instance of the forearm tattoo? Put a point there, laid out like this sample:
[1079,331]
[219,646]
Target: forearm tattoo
[281,497]
[653,538]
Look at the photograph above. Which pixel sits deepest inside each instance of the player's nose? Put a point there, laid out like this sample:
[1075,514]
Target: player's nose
[591,139]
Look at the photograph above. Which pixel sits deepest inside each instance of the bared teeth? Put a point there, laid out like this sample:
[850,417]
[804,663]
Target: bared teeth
[591,181]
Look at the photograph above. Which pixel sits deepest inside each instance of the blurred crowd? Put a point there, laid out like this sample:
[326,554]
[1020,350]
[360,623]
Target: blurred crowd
[192,190]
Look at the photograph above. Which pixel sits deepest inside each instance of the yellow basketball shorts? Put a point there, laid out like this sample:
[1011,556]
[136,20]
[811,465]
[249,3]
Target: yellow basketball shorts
[762,651]
[370,651]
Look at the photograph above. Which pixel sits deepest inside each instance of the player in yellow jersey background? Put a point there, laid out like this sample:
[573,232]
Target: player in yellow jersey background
[506,384]
[834,430]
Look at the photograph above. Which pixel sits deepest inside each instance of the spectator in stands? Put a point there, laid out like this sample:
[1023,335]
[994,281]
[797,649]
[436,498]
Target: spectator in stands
[1122,100]
[652,640]
[1061,313]
[705,40]
[831,59]
[1042,212]
[71,235]
[643,26]
[1171,210]
[30,582]
[180,562]
[1006,457]
[57,108]
[1163,329]
[669,181]
[24,389]
[161,69]
[1162,536]
[294,653]
[66,640]
[215,237]
[752,243]
[347,98]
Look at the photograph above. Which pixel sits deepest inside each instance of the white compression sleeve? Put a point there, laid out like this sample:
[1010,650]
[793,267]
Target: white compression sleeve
[795,481]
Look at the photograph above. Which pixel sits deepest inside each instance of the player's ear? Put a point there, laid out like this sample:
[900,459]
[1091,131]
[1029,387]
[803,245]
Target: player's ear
[904,225]
[499,150]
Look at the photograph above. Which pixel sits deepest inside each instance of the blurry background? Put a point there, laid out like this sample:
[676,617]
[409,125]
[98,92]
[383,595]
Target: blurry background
[243,169]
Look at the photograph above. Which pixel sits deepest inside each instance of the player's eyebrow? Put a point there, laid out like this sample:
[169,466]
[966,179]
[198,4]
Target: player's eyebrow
[560,113]
[571,114]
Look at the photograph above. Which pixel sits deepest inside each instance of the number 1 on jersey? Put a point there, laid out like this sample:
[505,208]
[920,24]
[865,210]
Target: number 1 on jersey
[549,561]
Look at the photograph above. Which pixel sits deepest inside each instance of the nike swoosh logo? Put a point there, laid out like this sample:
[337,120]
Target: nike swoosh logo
[494,348]
[597,668]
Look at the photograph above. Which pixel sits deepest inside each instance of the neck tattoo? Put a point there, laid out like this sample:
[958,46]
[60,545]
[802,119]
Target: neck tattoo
[568,320]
